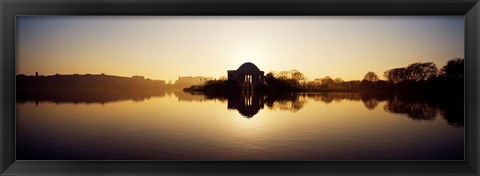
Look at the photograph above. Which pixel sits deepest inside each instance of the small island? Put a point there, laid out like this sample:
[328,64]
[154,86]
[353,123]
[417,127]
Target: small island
[415,78]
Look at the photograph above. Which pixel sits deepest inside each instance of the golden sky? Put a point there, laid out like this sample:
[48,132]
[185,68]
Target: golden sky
[165,47]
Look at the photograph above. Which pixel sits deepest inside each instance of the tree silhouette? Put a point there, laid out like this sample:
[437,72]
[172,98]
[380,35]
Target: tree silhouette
[371,76]
[454,69]
[277,83]
[269,77]
[315,83]
[296,75]
[396,75]
[339,80]
[414,72]
[282,75]
[421,71]
[327,82]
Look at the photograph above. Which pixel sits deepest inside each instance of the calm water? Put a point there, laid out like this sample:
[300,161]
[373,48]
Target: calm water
[183,126]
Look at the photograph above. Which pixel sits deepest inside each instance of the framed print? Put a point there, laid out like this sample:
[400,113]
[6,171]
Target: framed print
[254,87]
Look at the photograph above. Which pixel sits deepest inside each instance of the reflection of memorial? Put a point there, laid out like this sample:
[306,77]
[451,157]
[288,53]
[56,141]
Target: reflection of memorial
[247,104]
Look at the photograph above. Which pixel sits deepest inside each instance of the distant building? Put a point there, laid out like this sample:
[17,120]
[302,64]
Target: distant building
[138,77]
[191,80]
[247,75]
[161,82]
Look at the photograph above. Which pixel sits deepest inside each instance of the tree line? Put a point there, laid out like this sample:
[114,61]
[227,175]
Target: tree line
[414,77]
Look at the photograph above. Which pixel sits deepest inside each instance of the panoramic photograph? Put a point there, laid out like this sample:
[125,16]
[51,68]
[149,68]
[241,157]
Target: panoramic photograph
[240,88]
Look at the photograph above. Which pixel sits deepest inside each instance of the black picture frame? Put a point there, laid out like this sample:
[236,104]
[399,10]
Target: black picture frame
[11,8]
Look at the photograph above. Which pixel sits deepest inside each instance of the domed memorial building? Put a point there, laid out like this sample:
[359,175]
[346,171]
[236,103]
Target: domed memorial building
[247,75]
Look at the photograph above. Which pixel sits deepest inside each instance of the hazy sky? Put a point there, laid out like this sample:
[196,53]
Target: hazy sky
[167,47]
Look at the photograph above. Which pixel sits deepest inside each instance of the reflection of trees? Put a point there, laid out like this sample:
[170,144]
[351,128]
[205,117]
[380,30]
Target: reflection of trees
[415,106]
[454,115]
[370,103]
[416,111]
[339,96]
[87,96]
[370,100]
[427,107]
[290,102]
[323,97]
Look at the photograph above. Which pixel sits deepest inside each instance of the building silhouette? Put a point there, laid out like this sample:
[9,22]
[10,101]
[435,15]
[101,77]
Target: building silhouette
[247,76]
[187,81]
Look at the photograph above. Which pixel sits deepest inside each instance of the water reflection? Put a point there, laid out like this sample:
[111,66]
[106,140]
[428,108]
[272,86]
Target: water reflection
[287,102]
[428,107]
[414,110]
[416,107]
[87,96]
[247,104]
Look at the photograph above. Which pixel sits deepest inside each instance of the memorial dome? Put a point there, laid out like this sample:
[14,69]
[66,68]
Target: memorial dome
[248,66]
